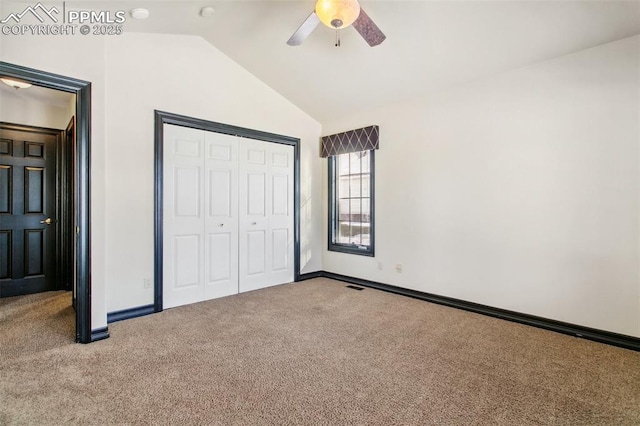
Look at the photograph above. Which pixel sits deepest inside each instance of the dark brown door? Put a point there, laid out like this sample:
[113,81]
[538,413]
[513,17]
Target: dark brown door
[27,210]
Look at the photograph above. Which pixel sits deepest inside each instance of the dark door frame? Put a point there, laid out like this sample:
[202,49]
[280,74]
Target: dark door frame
[66,217]
[82,90]
[162,118]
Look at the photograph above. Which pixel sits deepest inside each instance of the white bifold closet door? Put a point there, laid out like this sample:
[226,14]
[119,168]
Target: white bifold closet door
[266,214]
[228,215]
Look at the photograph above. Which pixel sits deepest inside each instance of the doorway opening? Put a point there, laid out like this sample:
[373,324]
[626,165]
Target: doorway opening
[80,190]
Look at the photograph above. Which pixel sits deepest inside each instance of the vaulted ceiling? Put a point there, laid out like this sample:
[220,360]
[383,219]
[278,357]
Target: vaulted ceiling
[431,45]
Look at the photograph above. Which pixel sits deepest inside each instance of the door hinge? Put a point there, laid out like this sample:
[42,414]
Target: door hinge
[77,229]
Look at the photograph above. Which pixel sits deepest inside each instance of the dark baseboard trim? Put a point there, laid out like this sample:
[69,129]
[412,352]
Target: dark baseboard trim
[610,338]
[125,314]
[99,334]
[311,275]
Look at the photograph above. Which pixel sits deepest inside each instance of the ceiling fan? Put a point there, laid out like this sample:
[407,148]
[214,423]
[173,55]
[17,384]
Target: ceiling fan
[339,14]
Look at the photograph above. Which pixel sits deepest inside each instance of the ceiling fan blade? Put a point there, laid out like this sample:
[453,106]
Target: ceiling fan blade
[368,29]
[304,30]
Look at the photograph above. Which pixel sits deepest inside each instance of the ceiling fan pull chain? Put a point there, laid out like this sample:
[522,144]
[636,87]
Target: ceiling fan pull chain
[337,38]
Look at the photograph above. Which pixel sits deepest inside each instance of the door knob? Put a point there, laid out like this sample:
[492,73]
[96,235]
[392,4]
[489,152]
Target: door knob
[253,223]
[47,221]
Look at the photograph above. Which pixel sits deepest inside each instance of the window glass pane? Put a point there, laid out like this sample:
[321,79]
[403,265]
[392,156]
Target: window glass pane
[343,164]
[365,236]
[343,233]
[355,181]
[366,213]
[355,210]
[366,180]
[343,187]
[354,158]
[366,162]
[343,210]
[356,227]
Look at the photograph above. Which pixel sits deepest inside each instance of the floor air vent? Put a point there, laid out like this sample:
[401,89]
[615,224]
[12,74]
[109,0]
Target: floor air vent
[353,287]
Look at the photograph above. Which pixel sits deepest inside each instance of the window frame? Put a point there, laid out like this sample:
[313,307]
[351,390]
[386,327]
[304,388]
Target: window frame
[332,230]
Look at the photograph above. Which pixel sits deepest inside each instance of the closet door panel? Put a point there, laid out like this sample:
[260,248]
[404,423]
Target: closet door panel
[266,214]
[253,193]
[221,222]
[183,276]
[281,218]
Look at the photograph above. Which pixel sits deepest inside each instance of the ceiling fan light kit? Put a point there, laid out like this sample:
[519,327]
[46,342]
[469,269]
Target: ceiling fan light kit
[16,84]
[339,14]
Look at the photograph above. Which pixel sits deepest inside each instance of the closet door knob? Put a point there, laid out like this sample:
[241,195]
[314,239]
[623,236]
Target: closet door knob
[221,225]
[254,223]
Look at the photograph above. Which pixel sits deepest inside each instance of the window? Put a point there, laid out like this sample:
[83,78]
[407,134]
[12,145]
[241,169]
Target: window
[351,196]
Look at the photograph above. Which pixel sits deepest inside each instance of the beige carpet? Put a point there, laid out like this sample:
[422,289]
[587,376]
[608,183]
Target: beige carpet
[35,323]
[318,353]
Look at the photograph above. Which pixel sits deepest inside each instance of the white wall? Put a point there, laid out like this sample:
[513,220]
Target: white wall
[178,74]
[18,109]
[183,75]
[520,192]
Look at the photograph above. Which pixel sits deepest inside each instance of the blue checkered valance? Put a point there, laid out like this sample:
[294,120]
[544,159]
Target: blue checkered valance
[364,139]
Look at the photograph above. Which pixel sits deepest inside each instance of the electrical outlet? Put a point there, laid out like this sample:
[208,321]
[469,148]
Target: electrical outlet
[399,268]
[379,266]
[147,283]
